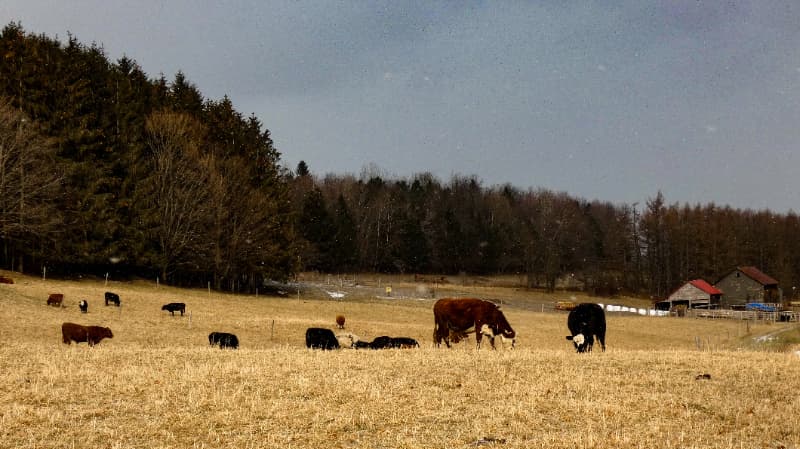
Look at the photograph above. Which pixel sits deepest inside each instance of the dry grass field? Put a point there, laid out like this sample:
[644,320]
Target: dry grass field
[157,383]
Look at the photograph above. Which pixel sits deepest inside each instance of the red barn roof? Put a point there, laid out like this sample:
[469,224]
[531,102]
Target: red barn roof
[756,275]
[706,287]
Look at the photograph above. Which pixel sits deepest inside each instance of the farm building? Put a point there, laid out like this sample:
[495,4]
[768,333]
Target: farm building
[693,294]
[746,285]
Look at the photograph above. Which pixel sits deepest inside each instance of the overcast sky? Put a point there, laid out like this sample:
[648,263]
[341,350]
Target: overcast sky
[603,100]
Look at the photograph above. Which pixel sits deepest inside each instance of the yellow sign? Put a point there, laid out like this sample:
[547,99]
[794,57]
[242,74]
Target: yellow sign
[389,290]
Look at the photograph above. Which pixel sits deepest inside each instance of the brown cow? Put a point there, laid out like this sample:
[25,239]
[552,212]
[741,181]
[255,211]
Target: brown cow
[90,334]
[454,318]
[6,280]
[55,299]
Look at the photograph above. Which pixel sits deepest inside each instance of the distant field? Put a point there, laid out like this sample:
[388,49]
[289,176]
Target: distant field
[157,383]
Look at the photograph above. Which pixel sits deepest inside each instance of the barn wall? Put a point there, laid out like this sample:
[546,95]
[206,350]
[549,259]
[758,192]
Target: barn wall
[739,290]
[689,292]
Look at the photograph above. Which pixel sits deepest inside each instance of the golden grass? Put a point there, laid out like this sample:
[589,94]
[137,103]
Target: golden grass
[157,383]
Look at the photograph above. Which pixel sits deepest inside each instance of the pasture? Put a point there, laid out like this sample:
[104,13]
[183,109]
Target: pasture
[158,384]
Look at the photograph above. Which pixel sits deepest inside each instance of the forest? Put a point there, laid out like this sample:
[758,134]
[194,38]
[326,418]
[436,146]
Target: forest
[104,169]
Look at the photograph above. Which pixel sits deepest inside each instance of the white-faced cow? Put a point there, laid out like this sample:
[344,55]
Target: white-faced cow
[585,322]
[454,318]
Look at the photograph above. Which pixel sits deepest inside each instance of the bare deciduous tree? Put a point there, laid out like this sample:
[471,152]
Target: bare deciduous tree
[28,178]
[179,190]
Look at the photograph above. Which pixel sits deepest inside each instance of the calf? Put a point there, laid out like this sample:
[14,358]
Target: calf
[112,298]
[404,342]
[382,342]
[55,299]
[90,334]
[361,345]
[318,338]
[586,321]
[386,342]
[174,307]
[84,306]
[224,340]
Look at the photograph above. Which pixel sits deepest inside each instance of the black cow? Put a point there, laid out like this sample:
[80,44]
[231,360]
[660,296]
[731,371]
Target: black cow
[224,340]
[386,342]
[174,307]
[113,298]
[404,342]
[319,338]
[84,306]
[585,322]
[361,344]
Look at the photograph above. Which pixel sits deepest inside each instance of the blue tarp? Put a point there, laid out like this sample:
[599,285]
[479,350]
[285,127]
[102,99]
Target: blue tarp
[759,306]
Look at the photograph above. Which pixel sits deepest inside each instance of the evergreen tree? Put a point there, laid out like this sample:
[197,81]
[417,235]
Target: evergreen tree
[317,228]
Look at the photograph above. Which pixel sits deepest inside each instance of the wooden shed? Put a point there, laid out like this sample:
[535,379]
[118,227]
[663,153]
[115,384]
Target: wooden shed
[746,285]
[693,294]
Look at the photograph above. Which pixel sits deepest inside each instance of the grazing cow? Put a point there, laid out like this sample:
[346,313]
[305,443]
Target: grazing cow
[340,321]
[174,307]
[91,334]
[84,306]
[318,338]
[585,322]
[113,298]
[224,340]
[454,318]
[55,299]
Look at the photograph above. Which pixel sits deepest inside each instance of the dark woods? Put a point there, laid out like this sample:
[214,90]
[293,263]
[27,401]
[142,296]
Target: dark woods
[424,226]
[103,169]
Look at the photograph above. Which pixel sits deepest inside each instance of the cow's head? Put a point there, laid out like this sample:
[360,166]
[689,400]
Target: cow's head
[504,332]
[107,333]
[579,341]
[509,334]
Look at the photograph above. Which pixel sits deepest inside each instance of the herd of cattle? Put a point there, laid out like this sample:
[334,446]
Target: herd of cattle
[454,320]
[92,335]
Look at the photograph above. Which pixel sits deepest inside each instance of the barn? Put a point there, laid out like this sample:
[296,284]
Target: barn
[693,294]
[745,285]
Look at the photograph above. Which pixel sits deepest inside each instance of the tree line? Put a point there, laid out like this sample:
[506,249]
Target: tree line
[422,225]
[103,169]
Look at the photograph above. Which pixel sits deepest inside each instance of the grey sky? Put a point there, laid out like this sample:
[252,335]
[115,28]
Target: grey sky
[698,99]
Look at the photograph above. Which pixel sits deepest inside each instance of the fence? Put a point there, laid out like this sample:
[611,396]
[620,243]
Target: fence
[744,314]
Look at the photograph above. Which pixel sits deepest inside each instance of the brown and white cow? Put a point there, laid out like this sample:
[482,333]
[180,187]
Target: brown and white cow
[454,318]
[91,334]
